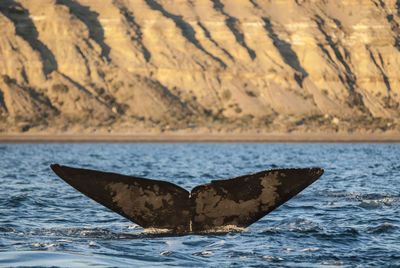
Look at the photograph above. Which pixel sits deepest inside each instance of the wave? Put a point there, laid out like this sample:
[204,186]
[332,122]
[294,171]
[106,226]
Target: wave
[224,229]
[295,225]
[368,200]
[355,195]
[382,228]
[216,231]
[127,233]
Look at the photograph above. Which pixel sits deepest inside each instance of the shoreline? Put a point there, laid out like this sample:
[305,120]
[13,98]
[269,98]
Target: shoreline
[199,138]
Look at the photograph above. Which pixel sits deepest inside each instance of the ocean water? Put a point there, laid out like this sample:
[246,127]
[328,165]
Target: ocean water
[349,217]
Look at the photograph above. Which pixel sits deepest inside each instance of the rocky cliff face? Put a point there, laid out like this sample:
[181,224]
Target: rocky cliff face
[242,65]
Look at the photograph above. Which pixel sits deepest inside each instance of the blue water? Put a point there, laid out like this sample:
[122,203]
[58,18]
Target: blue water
[349,217]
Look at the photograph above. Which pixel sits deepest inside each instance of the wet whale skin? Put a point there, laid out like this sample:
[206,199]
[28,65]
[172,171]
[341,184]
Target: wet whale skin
[236,202]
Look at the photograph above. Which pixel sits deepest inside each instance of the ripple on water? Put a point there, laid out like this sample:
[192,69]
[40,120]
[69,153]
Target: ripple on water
[349,217]
[298,225]
[367,200]
[42,258]
[15,201]
[382,228]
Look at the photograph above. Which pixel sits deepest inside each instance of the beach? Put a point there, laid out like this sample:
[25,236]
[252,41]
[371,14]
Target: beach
[198,138]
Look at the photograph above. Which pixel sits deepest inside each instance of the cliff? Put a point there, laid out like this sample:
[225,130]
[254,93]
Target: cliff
[220,66]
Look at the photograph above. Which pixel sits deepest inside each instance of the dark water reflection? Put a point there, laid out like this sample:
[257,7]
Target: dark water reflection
[349,217]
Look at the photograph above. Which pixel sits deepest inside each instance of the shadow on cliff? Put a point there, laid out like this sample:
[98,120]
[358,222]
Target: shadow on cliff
[187,30]
[208,35]
[349,79]
[231,24]
[129,17]
[288,55]
[381,70]
[3,107]
[90,19]
[25,28]
[28,105]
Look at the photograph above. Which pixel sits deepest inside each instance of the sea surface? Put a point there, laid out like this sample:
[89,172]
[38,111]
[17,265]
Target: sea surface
[349,217]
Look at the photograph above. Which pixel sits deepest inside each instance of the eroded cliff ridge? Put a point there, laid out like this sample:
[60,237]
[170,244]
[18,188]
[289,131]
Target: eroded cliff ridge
[206,65]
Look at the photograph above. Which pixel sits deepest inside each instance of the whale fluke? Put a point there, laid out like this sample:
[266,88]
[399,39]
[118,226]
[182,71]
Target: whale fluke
[149,203]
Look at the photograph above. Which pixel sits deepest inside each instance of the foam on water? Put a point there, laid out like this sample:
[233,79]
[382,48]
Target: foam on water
[218,230]
[224,229]
[349,217]
[157,231]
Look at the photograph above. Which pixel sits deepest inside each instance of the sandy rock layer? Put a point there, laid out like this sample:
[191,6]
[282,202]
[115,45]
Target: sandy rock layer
[199,66]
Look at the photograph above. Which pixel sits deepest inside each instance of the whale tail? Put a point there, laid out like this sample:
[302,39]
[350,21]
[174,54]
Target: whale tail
[238,201]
